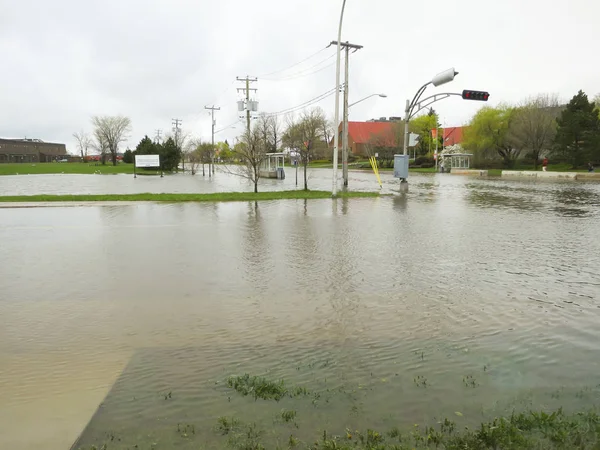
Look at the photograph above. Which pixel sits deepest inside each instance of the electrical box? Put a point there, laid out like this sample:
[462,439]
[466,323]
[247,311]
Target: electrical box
[401,166]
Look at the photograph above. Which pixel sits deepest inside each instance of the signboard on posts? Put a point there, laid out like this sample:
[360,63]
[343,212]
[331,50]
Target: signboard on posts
[147,160]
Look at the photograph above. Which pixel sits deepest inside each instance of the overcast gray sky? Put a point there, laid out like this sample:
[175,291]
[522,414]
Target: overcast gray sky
[153,60]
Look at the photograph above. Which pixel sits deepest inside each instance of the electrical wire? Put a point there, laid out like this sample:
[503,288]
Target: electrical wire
[303,105]
[228,126]
[304,72]
[293,65]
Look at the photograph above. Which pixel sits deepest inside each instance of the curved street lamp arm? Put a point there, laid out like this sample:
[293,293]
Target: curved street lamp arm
[416,98]
[430,100]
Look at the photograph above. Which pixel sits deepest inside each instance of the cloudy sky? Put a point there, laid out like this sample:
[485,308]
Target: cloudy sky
[154,60]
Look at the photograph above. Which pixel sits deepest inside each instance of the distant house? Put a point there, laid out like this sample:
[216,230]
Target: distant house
[30,151]
[361,135]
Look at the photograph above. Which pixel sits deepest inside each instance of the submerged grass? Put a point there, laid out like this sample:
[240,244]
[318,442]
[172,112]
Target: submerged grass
[74,167]
[213,197]
[259,387]
[530,430]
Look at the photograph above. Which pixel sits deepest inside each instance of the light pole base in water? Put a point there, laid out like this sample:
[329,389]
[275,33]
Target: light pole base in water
[403,185]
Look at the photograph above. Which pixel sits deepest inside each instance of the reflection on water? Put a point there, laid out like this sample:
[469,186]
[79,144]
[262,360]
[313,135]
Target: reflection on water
[362,295]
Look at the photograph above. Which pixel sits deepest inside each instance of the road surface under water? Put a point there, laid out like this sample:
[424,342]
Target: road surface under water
[465,295]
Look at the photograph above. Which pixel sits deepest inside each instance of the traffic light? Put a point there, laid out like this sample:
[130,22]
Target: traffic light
[475,95]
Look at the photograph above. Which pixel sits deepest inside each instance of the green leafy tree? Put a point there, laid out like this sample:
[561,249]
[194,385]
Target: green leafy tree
[533,127]
[578,134]
[488,135]
[128,156]
[224,151]
[422,125]
[170,155]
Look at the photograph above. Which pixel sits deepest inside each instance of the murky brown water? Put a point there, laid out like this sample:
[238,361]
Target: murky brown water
[493,279]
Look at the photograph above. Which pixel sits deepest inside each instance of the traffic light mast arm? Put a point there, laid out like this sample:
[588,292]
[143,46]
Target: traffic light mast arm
[430,100]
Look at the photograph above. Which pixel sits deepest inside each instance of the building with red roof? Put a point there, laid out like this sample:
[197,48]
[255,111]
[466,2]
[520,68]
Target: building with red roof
[377,133]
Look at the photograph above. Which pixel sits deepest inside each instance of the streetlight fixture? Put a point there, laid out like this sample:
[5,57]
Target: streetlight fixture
[441,78]
[337,103]
[368,96]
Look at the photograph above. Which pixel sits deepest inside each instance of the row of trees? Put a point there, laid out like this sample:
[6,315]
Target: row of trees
[306,137]
[536,128]
[108,133]
[170,153]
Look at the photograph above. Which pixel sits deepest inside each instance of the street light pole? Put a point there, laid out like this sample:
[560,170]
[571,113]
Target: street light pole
[337,104]
[367,97]
[441,78]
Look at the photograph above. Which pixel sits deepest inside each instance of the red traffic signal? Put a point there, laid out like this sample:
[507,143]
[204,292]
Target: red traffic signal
[475,95]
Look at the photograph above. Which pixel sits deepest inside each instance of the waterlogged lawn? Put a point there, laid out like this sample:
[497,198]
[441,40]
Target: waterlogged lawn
[531,429]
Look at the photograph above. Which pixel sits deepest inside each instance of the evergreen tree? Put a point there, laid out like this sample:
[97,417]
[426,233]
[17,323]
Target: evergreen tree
[170,155]
[146,147]
[578,135]
[128,156]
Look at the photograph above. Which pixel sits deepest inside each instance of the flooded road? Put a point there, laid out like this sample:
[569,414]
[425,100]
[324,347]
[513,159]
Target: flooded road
[462,279]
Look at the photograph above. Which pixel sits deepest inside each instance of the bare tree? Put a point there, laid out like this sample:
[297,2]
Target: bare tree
[200,154]
[533,125]
[250,151]
[384,145]
[306,137]
[83,143]
[110,131]
[276,133]
[100,146]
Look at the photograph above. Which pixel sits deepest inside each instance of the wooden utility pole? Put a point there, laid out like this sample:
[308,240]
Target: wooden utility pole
[247,89]
[212,108]
[347,46]
[176,128]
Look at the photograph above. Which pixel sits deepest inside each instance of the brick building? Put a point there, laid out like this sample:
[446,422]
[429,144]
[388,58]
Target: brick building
[30,150]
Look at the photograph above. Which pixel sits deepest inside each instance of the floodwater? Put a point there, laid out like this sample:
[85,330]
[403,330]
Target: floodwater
[465,295]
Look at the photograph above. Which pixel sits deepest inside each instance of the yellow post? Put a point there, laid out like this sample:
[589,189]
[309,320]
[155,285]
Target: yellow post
[373,162]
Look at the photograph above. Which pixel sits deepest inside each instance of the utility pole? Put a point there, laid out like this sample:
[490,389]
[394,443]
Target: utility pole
[213,108]
[176,123]
[247,89]
[157,137]
[347,46]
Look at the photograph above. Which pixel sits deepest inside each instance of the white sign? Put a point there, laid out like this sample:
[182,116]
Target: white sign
[147,160]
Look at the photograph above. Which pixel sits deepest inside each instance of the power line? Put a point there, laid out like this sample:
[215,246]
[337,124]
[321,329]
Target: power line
[304,71]
[223,91]
[228,126]
[305,104]
[293,65]
[304,74]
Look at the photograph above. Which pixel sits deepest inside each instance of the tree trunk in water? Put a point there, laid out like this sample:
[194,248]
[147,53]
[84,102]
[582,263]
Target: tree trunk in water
[256,186]
[305,179]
